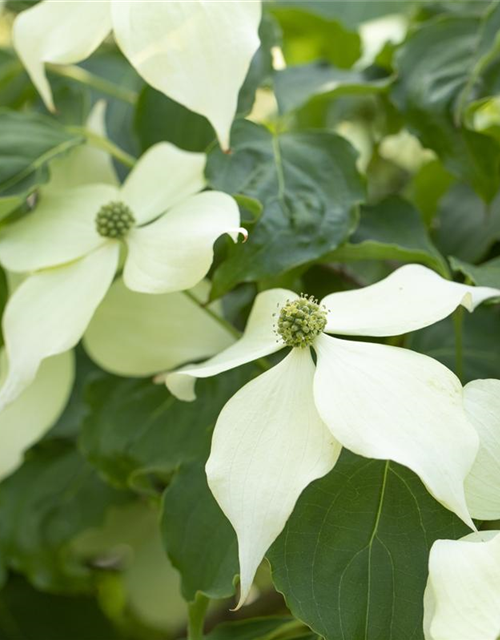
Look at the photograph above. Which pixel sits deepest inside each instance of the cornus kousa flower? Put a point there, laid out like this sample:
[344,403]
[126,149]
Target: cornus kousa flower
[196,52]
[286,427]
[462,597]
[70,246]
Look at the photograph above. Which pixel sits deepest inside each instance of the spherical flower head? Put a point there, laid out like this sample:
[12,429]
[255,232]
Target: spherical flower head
[301,321]
[114,220]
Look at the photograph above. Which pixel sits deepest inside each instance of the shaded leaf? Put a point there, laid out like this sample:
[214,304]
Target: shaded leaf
[295,86]
[54,496]
[198,538]
[28,142]
[352,560]
[484,275]
[134,427]
[391,230]
[254,629]
[438,68]
[310,189]
[481,343]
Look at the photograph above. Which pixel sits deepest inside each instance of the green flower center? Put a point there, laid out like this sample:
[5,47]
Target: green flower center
[301,321]
[114,220]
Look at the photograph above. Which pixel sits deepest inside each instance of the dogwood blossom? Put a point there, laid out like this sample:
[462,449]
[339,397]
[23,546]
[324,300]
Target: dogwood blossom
[482,486]
[36,410]
[71,243]
[286,427]
[196,52]
[462,597]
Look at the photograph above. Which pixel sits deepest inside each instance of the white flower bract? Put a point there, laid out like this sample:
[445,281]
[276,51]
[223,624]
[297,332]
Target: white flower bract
[286,428]
[71,266]
[196,52]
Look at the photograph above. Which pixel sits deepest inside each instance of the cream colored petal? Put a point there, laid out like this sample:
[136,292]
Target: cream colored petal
[462,598]
[196,52]
[27,419]
[49,312]
[175,252]
[389,403]
[85,164]
[59,230]
[59,32]
[138,334]
[269,443]
[482,487]
[163,177]
[259,340]
[411,298]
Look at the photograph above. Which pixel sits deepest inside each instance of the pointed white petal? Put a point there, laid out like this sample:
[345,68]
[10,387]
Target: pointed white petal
[85,164]
[48,313]
[258,341]
[411,298]
[138,334]
[462,598]
[269,443]
[482,487]
[163,177]
[175,252]
[197,52]
[27,419]
[59,32]
[389,403]
[60,229]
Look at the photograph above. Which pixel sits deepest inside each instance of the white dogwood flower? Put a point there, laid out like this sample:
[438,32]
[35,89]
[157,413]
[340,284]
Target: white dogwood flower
[462,597]
[71,243]
[482,487]
[286,427]
[37,409]
[197,53]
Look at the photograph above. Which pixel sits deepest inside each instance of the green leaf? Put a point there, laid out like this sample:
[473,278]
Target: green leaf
[295,86]
[253,629]
[28,614]
[391,230]
[352,560]
[308,37]
[310,189]
[199,540]
[484,275]
[28,142]
[438,68]
[160,119]
[134,427]
[351,14]
[481,343]
[15,85]
[54,496]
[467,228]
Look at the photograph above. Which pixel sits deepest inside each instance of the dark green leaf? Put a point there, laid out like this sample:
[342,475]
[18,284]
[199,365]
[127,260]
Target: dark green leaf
[294,86]
[484,275]
[467,227]
[50,617]
[134,427]
[54,496]
[438,69]
[352,560]
[159,119]
[198,538]
[308,37]
[15,85]
[391,230]
[351,14]
[310,189]
[255,629]
[481,343]
[28,142]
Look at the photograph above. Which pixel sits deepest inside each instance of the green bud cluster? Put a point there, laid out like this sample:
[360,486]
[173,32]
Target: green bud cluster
[301,321]
[114,220]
